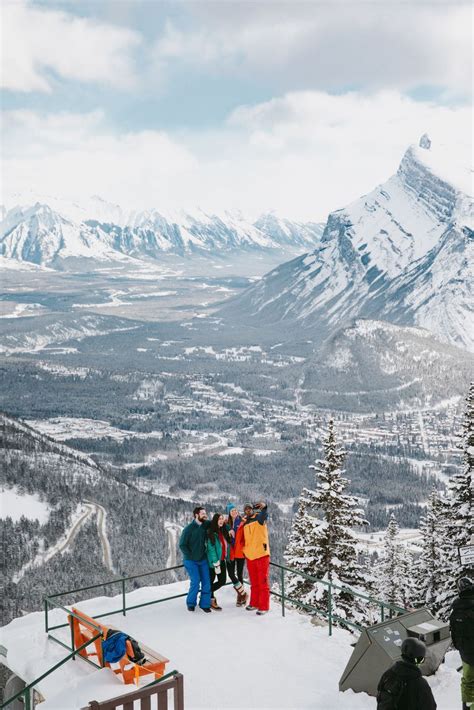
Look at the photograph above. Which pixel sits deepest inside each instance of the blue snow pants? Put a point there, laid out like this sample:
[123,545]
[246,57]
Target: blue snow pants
[199,577]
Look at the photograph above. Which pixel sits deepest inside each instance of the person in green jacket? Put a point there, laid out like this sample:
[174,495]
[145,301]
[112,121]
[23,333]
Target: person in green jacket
[218,552]
[192,544]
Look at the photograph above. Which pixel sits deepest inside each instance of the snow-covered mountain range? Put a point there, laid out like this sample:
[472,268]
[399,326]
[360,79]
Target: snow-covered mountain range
[403,253]
[51,232]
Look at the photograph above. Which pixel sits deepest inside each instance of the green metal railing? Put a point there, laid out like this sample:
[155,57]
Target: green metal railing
[51,603]
[330,586]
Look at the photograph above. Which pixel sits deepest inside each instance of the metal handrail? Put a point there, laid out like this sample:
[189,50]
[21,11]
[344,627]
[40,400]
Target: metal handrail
[343,588]
[26,692]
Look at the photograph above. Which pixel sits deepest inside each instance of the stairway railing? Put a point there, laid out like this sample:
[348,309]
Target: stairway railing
[159,688]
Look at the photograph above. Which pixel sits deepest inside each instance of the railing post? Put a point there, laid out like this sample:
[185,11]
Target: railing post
[330,608]
[46,623]
[178,700]
[124,602]
[282,592]
[71,623]
[28,699]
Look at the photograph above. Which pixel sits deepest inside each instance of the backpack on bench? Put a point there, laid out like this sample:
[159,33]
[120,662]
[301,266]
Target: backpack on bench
[114,648]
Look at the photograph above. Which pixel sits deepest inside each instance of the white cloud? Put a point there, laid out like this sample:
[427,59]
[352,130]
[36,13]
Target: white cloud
[331,45]
[39,45]
[303,154]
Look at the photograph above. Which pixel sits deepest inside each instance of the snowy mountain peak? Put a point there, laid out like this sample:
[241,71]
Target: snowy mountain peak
[403,253]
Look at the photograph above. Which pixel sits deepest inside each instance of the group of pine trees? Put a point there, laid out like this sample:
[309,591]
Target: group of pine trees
[323,542]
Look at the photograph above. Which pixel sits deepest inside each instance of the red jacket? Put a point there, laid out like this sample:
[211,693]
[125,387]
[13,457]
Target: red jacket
[237,549]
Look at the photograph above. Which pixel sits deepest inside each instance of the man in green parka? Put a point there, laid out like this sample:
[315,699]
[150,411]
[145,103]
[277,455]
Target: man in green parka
[192,544]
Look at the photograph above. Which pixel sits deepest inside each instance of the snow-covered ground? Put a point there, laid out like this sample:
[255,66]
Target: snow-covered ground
[15,504]
[230,659]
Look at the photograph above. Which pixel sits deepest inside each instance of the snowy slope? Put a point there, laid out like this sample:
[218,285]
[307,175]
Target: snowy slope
[39,235]
[402,252]
[52,230]
[231,659]
[372,365]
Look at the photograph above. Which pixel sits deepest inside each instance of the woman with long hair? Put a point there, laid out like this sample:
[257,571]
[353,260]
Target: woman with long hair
[235,565]
[217,550]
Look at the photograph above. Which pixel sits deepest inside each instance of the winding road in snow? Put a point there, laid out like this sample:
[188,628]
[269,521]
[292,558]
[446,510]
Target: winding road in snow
[173,530]
[61,545]
[89,509]
[104,540]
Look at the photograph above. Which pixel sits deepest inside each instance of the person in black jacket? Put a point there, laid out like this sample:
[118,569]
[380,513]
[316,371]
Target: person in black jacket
[402,687]
[461,623]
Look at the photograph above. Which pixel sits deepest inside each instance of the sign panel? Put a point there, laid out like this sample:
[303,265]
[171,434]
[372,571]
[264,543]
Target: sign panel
[466,555]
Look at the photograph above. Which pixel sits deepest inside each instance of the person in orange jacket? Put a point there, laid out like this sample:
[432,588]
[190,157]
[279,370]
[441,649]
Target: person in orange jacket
[235,526]
[257,554]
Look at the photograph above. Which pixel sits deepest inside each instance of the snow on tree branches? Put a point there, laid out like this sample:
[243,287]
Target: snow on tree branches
[458,514]
[322,542]
[395,571]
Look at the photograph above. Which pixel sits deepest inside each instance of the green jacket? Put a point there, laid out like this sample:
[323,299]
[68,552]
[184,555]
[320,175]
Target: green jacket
[214,551]
[192,542]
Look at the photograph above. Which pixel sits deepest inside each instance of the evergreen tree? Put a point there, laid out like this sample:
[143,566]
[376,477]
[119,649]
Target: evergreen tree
[327,548]
[459,513]
[395,569]
[429,576]
[300,552]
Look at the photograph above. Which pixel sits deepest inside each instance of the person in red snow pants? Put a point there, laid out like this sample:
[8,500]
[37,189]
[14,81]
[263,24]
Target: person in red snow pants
[257,554]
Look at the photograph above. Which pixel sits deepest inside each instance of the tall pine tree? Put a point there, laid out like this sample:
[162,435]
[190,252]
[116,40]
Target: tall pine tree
[459,513]
[395,571]
[429,576]
[300,552]
[327,545]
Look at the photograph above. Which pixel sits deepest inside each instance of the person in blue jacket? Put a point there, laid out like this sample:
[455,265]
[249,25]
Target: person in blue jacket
[192,544]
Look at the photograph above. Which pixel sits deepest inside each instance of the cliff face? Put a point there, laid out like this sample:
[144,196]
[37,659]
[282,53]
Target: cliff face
[402,253]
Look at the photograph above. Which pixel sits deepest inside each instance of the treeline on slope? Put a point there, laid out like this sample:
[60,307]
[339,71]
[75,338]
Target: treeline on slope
[281,476]
[135,522]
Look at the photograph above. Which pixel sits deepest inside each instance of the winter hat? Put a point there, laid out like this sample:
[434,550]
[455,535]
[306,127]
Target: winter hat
[465,584]
[413,649]
[229,507]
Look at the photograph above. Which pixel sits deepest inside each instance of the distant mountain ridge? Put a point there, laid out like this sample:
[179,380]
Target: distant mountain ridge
[402,253]
[373,365]
[50,232]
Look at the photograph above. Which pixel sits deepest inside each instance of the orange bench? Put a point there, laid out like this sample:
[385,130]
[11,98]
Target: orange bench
[85,628]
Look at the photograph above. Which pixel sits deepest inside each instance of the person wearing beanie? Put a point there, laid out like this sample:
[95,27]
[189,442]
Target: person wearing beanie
[402,687]
[257,554]
[235,565]
[461,624]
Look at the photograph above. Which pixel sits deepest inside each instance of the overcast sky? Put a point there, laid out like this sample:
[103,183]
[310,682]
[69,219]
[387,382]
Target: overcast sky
[294,106]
